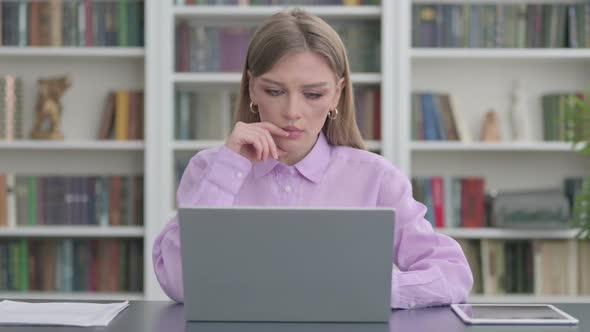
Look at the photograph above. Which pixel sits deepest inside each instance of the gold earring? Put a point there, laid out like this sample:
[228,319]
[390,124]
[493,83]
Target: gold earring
[252,107]
[333,114]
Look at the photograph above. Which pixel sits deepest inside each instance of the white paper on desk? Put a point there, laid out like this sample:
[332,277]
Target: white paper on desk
[59,313]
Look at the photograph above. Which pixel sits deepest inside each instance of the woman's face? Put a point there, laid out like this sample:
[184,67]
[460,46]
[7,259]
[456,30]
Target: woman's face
[296,95]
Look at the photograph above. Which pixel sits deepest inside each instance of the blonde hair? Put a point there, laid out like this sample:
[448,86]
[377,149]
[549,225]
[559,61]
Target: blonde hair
[294,31]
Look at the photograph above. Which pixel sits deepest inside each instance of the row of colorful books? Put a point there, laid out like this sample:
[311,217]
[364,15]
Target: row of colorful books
[501,25]
[72,23]
[71,265]
[208,115]
[123,116]
[453,202]
[434,117]
[71,200]
[563,119]
[11,108]
[540,267]
[368,112]
[204,114]
[223,49]
[279,2]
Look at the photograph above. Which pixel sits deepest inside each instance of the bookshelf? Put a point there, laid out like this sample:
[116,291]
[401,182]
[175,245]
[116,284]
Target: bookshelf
[478,77]
[95,69]
[173,80]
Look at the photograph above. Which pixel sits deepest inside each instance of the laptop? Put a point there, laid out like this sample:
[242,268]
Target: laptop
[287,264]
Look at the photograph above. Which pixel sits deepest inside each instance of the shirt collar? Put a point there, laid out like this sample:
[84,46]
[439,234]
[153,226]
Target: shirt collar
[312,166]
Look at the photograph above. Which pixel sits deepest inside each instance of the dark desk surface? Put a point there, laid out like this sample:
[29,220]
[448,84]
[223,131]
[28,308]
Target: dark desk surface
[159,316]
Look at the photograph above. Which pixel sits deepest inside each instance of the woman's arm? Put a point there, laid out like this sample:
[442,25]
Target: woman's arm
[212,178]
[434,270]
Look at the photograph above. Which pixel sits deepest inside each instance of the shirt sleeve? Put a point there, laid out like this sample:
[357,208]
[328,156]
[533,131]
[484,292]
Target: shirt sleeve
[212,178]
[433,269]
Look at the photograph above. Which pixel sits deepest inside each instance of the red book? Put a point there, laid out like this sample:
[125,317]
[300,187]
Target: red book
[438,200]
[473,199]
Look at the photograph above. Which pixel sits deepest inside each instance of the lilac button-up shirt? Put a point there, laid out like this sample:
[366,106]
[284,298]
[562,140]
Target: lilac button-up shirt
[432,268]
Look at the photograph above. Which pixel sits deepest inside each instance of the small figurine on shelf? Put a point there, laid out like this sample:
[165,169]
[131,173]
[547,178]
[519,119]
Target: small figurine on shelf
[519,122]
[490,130]
[48,109]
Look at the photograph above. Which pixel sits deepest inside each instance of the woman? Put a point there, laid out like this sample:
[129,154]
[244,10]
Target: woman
[296,143]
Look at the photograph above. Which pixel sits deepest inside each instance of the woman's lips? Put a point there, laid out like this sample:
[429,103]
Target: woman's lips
[294,132]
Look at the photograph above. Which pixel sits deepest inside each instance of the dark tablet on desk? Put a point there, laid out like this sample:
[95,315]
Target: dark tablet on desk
[543,314]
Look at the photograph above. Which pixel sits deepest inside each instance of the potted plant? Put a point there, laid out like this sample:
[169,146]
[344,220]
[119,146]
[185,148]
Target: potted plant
[578,115]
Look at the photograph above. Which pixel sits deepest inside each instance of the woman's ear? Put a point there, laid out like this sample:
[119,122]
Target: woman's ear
[251,86]
[339,88]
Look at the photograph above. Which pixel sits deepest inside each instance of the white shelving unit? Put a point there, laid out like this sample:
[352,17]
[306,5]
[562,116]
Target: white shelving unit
[94,71]
[171,80]
[478,79]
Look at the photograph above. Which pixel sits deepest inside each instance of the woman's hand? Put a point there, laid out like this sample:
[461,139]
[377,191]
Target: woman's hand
[255,140]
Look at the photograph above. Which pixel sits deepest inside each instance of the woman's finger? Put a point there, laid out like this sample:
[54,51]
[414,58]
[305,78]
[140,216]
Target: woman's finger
[272,149]
[274,129]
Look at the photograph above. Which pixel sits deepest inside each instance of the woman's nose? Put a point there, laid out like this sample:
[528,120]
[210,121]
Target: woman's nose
[293,108]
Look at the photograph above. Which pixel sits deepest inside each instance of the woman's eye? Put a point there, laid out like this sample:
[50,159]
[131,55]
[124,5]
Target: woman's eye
[313,95]
[274,92]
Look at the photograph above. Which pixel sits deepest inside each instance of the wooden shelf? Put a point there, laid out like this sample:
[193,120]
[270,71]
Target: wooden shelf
[73,231]
[90,145]
[81,296]
[500,53]
[505,233]
[66,52]
[433,146]
[234,78]
[259,12]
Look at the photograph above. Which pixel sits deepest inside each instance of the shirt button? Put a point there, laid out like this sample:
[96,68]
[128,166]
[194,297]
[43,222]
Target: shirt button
[239,175]
[288,189]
